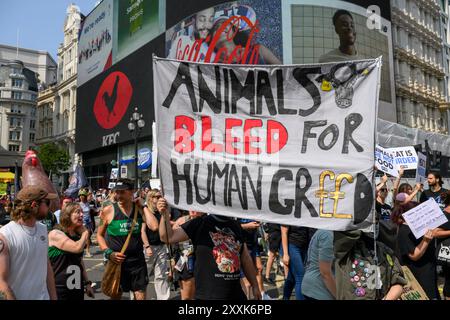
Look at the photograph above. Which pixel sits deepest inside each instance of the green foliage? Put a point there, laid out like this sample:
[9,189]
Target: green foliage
[53,158]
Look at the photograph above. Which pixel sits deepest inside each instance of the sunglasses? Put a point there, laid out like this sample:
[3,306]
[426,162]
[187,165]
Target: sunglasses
[383,190]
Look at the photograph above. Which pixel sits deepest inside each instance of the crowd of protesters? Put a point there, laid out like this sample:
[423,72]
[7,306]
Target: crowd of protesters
[209,256]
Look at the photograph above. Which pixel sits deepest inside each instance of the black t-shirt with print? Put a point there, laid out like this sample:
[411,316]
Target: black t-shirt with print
[424,269]
[427,194]
[384,210]
[218,247]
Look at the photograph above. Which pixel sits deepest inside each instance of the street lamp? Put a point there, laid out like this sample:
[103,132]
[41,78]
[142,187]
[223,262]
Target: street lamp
[135,126]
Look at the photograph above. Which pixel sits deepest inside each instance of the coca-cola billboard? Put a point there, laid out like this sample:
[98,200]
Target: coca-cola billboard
[244,32]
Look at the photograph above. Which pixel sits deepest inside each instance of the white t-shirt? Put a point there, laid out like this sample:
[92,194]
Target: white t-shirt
[28,256]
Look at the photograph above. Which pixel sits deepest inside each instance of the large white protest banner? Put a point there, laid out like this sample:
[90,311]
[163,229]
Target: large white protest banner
[421,176]
[385,161]
[404,157]
[427,215]
[286,144]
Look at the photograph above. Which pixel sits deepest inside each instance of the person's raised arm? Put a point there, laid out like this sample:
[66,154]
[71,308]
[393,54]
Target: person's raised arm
[421,248]
[5,290]
[60,240]
[397,182]
[166,233]
[413,194]
[382,182]
[150,219]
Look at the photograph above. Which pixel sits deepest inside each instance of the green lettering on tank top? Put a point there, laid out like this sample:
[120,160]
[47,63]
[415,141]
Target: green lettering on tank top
[120,228]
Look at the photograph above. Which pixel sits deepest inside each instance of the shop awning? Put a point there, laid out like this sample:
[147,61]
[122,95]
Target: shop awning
[6,176]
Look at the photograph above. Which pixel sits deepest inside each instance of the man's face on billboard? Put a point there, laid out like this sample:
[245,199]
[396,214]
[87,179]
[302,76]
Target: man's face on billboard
[345,28]
[204,22]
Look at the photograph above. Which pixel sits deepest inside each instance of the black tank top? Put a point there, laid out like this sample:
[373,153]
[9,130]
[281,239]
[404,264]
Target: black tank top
[117,232]
[62,260]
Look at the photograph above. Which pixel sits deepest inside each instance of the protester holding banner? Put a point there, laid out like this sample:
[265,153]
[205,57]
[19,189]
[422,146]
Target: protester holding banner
[443,235]
[417,254]
[116,221]
[186,256]
[435,183]
[294,241]
[220,252]
[319,282]
[382,208]
[156,251]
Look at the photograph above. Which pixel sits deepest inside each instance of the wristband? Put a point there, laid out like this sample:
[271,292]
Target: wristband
[107,253]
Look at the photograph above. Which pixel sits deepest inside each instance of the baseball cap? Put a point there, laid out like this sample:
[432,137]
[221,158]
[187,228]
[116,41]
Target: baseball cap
[401,197]
[124,184]
[34,193]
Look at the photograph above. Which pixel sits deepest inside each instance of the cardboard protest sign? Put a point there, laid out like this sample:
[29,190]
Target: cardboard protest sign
[421,172]
[267,142]
[404,157]
[427,215]
[412,290]
[384,161]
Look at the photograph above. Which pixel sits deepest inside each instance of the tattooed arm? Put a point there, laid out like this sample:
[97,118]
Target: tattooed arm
[6,292]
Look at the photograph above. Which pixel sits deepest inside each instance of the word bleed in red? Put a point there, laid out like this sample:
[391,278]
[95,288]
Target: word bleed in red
[272,141]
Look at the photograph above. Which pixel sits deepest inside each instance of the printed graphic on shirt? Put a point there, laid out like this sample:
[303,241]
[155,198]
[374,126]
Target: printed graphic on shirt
[226,250]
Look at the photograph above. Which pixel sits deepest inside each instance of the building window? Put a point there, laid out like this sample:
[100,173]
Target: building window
[33,111]
[14,135]
[15,122]
[32,137]
[16,71]
[17,83]
[16,109]
[32,124]
[33,97]
[13,147]
[16,95]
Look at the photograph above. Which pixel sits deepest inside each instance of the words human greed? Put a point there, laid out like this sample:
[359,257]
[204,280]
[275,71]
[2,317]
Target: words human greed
[272,137]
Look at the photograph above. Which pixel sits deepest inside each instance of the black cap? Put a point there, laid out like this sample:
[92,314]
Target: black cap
[124,184]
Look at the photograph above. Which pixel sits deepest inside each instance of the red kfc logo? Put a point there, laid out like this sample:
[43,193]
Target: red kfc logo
[113,99]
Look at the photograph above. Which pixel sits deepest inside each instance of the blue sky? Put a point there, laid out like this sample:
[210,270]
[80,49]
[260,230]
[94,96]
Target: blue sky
[40,22]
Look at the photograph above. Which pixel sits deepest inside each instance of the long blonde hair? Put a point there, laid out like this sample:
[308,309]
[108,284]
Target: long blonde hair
[150,195]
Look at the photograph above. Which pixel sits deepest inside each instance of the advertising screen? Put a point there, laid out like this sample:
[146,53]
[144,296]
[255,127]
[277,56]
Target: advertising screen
[137,22]
[311,35]
[244,32]
[95,42]
[106,103]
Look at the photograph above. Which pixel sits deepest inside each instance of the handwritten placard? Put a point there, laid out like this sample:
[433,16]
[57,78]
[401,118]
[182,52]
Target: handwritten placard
[426,216]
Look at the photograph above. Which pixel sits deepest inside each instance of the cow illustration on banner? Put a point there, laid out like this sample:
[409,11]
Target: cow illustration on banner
[267,142]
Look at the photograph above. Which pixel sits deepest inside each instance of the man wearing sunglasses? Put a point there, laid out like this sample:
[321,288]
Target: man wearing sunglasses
[25,271]
[115,224]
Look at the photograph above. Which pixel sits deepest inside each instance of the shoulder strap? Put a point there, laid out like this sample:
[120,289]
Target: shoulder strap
[125,245]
